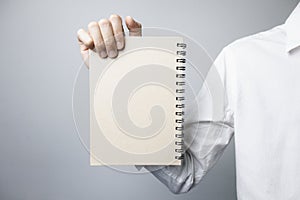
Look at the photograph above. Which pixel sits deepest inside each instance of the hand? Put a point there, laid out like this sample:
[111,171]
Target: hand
[106,37]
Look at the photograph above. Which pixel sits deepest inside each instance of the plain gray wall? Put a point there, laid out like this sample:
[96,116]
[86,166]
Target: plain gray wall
[41,156]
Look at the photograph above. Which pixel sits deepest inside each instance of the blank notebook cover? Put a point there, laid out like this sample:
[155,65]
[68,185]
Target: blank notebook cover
[136,103]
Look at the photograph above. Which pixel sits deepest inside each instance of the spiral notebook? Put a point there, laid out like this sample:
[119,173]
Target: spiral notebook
[137,103]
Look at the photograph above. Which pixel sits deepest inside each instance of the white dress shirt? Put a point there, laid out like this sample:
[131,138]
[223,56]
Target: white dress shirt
[261,77]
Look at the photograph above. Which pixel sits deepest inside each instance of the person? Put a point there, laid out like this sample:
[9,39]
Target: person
[260,74]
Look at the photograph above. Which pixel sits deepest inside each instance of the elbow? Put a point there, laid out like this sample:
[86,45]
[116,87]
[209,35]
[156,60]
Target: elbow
[179,191]
[183,186]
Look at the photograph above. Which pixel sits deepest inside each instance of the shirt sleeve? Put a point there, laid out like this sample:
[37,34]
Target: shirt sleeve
[206,133]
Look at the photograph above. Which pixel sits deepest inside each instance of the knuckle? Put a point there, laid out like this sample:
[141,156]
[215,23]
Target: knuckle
[139,25]
[92,24]
[90,43]
[79,32]
[115,17]
[108,46]
[100,46]
[109,39]
[104,22]
[119,37]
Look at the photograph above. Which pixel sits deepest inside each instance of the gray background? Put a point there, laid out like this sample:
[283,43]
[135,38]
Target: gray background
[41,156]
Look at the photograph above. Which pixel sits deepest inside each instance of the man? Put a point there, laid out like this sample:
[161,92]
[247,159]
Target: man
[260,74]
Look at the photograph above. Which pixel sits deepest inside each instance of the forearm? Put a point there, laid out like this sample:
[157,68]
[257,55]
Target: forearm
[199,158]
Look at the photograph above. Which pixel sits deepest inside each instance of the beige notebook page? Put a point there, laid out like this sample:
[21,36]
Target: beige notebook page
[132,104]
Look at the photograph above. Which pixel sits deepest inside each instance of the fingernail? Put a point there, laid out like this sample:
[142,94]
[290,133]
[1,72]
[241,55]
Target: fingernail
[112,54]
[103,54]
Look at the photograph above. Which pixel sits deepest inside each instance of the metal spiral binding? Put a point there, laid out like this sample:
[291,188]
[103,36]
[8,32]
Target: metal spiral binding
[180,82]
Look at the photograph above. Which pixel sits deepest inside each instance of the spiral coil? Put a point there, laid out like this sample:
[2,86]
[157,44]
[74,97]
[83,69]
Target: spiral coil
[180,82]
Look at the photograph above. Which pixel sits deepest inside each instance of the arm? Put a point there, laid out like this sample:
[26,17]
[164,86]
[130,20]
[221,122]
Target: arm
[205,139]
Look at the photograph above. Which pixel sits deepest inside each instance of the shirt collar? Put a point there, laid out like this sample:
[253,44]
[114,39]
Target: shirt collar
[292,26]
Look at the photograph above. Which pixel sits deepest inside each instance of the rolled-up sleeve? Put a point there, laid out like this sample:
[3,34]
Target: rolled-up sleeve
[205,137]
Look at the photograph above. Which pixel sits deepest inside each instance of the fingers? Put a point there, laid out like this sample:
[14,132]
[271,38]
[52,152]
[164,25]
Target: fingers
[134,27]
[84,39]
[118,30]
[96,35]
[108,37]
[85,43]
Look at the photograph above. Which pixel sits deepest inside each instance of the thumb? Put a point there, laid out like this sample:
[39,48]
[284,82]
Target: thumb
[134,27]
